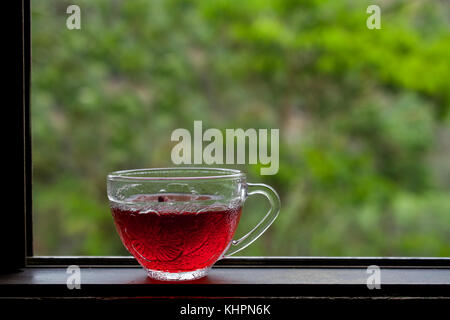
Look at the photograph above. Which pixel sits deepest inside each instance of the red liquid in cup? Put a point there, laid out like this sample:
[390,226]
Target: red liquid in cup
[172,239]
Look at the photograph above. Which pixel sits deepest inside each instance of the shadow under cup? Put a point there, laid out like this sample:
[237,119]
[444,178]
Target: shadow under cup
[177,222]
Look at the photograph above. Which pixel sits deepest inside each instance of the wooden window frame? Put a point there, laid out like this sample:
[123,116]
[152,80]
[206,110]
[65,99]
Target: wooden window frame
[16,241]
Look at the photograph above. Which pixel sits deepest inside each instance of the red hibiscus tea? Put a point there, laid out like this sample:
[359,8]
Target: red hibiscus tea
[172,228]
[174,232]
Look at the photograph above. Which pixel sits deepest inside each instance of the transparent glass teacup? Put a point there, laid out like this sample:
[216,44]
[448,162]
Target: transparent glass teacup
[177,222]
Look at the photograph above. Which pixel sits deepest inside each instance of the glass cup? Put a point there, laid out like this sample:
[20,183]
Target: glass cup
[177,222]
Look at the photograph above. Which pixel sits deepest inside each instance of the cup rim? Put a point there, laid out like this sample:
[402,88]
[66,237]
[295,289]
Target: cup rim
[138,174]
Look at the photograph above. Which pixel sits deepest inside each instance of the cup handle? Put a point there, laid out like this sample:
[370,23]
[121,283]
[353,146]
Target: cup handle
[269,218]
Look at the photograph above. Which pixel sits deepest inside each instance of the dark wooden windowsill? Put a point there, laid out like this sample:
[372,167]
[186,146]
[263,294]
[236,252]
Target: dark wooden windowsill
[286,285]
[228,279]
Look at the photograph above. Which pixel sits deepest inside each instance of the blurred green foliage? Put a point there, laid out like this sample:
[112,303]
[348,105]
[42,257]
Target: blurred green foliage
[363,115]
